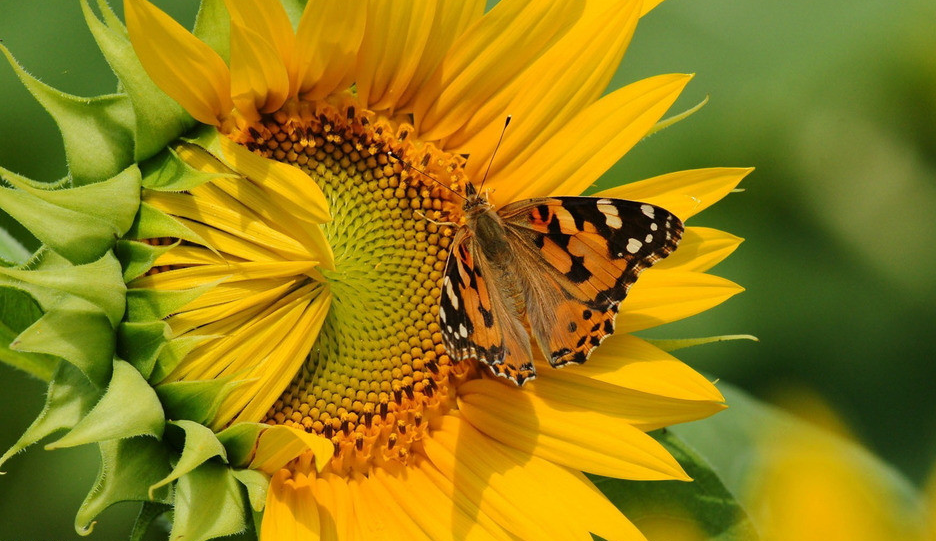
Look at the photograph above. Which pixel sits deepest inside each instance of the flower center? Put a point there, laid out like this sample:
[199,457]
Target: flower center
[378,373]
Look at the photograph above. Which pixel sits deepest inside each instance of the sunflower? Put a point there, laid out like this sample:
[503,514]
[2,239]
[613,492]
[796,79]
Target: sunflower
[281,272]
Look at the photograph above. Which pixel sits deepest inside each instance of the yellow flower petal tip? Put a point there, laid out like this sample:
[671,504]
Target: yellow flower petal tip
[186,69]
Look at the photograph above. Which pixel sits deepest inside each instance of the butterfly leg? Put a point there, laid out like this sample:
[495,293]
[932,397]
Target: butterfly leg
[430,220]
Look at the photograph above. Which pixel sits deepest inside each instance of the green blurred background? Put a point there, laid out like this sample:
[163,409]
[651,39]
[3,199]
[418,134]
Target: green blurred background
[834,103]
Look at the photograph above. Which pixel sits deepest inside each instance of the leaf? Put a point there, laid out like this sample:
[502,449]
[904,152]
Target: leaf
[737,442]
[137,258]
[200,445]
[209,503]
[128,468]
[19,312]
[704,505]
[12,250]
[128,408]
[196,400]
[98,132]
[71,396]
[141,344]
[74,330]
[82,222]
[100,283]
[158,119]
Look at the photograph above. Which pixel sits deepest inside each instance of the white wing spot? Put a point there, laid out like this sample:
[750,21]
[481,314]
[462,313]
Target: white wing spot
[648,210]
[649,238]
[463,331]
[442,317]
[453,298]
[654,226]
[633,245]
[610,212]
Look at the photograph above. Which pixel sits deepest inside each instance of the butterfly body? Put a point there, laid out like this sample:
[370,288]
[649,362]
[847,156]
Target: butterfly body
[557,266]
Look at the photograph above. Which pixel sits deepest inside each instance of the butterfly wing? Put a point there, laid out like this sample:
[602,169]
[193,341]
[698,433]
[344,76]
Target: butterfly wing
[585,255]
[476,321]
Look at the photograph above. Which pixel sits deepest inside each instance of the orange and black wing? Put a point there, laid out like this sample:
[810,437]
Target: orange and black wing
[586,253]
[475,319]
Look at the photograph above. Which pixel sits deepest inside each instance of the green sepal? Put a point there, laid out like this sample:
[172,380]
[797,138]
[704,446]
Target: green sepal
[128,408]
[97,132]
[152,223]
[240,440]
[145,304]
[70,397]
[76,331]
[213,26]
[158,118]
[200,445]
[196,400]
[12,251]
[149,512]
[167,172]
[100,283]
[110,18]
[141,343]
[128,468]
[80,223]
[176,350]
[257,484]
[20,311]
[209,503]
[137,258]
[705,502]
[670,345]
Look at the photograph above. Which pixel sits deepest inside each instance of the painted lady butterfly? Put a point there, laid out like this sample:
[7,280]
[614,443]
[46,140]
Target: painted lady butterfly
[565,263]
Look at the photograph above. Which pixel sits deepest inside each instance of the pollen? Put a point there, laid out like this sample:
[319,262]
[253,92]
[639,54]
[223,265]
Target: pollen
[378,374]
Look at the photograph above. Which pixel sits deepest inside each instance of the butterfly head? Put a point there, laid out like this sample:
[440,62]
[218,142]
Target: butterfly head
[475,201]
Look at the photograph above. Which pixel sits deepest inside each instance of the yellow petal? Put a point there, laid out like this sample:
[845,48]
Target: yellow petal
[648,5]
[259,82]
[664,296]
[233,221]
[230,244]
[634,381]
[190,277]
[433,510]
[535,494]
[280,444]
[379,514]
[452,17]
[335,507]
[394,39]
[327,42]
[582,150]
[290,511]
[280,362]
[288,185]
[578,437]
[186,69]
[684,193]
[486,58]
[268,20]
[627,362]
[485,476]
[567,78]
[700,249]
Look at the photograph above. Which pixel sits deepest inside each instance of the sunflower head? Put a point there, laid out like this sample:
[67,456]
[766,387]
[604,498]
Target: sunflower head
[251,282]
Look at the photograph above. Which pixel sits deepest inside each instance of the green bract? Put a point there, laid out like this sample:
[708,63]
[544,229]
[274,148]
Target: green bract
[67,317]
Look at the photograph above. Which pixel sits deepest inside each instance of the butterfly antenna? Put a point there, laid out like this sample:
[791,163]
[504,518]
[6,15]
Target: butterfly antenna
[497,146]
[423,173]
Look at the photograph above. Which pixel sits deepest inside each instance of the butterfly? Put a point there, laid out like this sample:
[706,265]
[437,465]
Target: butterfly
[562,263]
